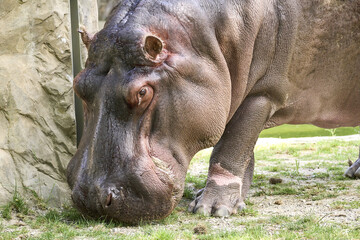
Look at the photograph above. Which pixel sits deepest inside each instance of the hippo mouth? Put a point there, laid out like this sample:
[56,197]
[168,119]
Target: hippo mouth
[164,173]
[146,194]
[157,199]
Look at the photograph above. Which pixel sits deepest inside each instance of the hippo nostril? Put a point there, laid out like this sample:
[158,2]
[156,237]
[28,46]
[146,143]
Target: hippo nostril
[108,200]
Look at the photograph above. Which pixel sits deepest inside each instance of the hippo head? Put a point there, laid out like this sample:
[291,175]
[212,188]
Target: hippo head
[153,91]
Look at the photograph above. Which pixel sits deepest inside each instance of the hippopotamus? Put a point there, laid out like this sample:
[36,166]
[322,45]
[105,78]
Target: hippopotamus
[165,79]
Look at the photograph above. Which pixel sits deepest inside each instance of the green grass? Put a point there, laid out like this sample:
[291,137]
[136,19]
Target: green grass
[291,131]
[199,181]
[332,150]
[17,204]
[311,173]
[280,189]
[346,205]
[249,211]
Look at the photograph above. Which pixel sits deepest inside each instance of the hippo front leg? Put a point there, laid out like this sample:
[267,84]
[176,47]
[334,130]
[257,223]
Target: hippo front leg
[354,170]
[232,161]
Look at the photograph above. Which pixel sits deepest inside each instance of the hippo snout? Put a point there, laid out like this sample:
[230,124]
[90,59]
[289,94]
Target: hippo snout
[127,197]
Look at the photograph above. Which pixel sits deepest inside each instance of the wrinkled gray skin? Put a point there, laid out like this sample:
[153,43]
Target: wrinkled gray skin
[165,79]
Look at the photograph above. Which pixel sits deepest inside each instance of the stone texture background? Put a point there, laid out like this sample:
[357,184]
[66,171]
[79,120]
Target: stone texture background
[105,7]
[37,125]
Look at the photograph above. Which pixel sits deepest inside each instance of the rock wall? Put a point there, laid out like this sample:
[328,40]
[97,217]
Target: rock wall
[88,17]
[37,125]
[105,7]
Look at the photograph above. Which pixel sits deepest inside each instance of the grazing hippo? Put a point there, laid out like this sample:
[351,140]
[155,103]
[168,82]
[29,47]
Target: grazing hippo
[165,79]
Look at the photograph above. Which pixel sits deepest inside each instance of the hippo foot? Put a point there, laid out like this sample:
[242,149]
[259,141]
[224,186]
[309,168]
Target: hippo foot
[219,202]
[354,170]
[222,195]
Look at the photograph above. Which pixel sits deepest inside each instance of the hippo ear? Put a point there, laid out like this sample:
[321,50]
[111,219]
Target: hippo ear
[153,46]
[85,37]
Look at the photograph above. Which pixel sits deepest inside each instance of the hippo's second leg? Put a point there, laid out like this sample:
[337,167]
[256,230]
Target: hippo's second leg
[354,170]
[232,161]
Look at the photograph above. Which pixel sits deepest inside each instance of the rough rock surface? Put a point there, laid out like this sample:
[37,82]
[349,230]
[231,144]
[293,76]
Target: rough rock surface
[37,125]
[105,7]
[88,18]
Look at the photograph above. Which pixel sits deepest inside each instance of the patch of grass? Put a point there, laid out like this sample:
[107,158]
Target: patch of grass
[297,166]
[279,219]
[310,165]
[249,203]
[52,215]
[17,204]
[293,151]
[338,174]
[201,157]
[222,235]
[333,150]
[345,205]
[249,211]
[324,196]
[6,211]
[331,231]
[10,235]
[277,168]
[198,182]
[309,227]
[258,177]
[254,232]
[155,233]
[317,191]
[340,177]
[342,185]
[188,193]
[248,222]
[72,214]
[321,175]
[47,235]
[279,190]
[174,216]
[291,131]
[301,224]
[163,234]
[338,205]
[335,168]
[66,214]
[39,202]
[259,181]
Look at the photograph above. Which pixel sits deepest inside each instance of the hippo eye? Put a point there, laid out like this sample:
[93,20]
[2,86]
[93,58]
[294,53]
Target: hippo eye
[139,95]
[142,92]
[153,46]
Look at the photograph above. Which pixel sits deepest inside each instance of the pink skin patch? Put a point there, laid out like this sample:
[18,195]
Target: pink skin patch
[222,176]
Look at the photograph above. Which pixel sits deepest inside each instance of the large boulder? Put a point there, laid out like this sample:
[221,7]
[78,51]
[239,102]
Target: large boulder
[37,123]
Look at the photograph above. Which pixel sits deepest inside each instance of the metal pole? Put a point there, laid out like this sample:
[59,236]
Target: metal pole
[76,66]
